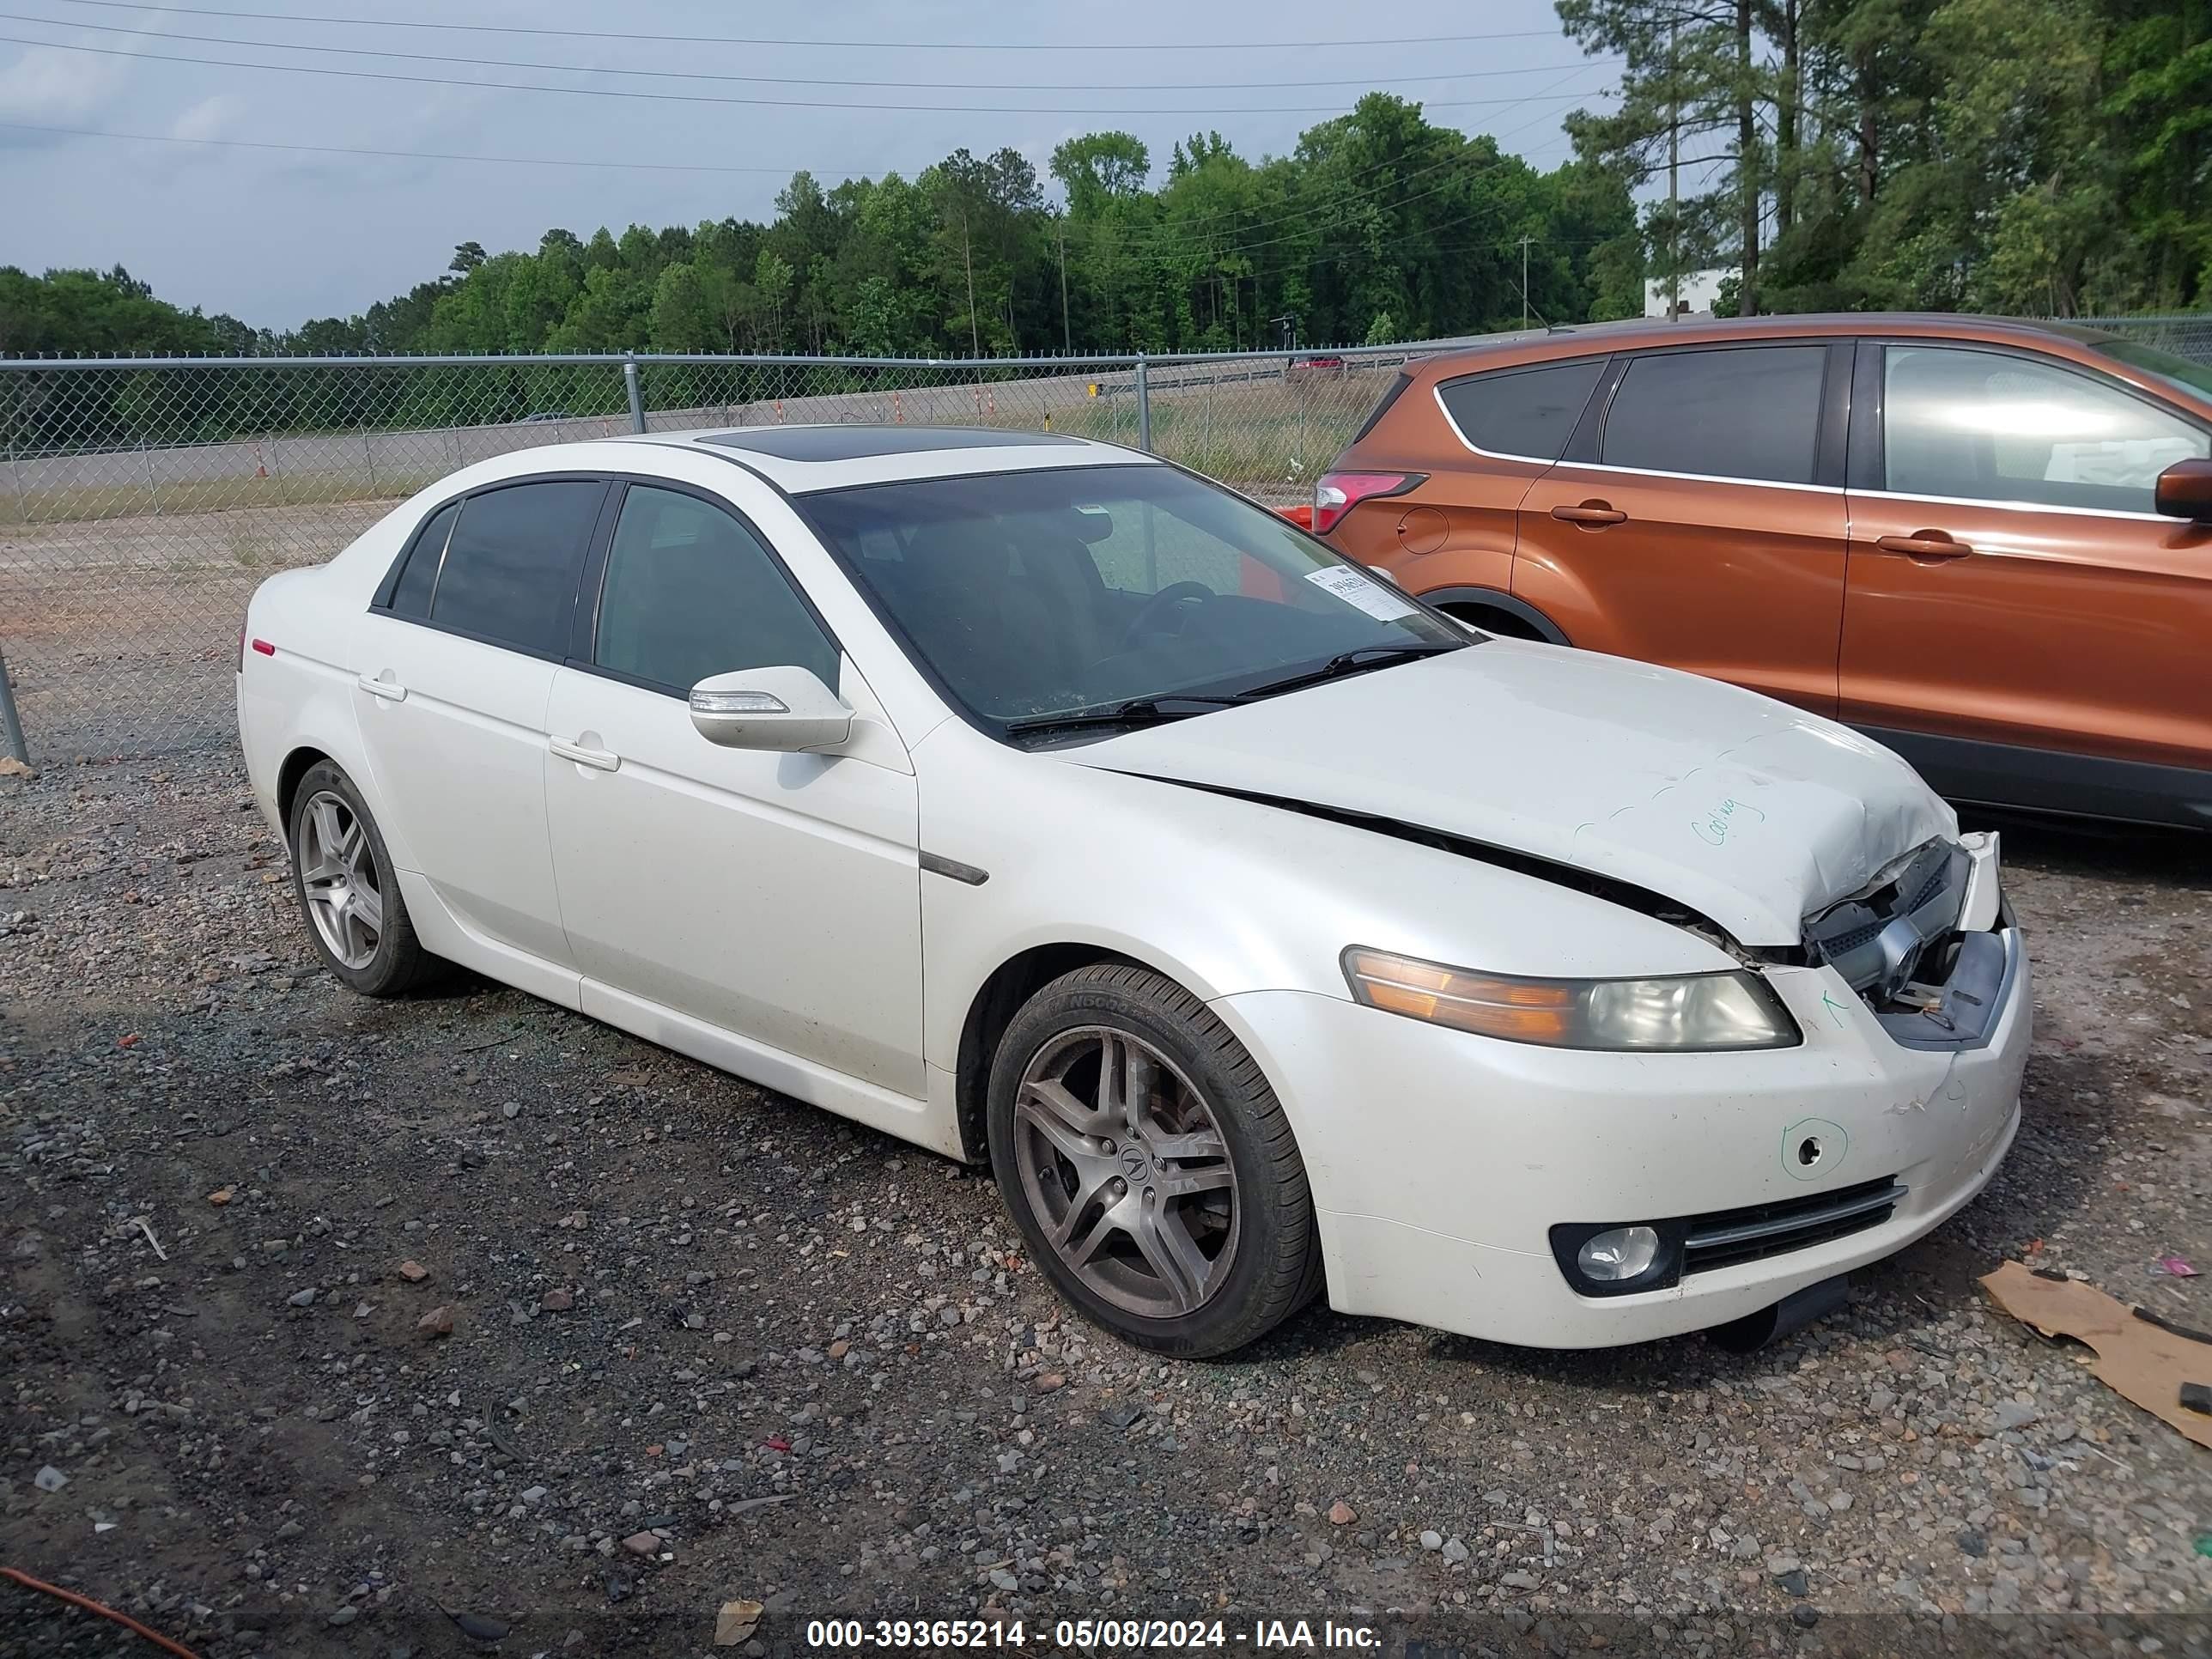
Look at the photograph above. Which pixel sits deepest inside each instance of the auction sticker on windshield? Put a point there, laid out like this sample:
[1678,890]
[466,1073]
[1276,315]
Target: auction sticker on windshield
[1369,595]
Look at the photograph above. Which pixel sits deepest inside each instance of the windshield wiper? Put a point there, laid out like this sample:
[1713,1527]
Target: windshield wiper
[1137,711]
[1344,663]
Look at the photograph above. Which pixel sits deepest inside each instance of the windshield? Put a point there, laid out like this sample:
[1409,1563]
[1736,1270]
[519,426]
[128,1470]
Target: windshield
[1082,591]
[2177,371]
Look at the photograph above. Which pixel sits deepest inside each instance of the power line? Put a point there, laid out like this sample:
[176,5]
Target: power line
[705,98]
[413,154]
[785,80]
[786,171]
[763,40]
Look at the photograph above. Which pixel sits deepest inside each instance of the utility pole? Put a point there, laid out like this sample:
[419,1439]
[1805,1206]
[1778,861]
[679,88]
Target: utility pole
[1067,340]
[968,258]
[1524,283]
[1673,172]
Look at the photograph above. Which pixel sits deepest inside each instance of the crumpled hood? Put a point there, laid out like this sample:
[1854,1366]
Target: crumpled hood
[1744,810]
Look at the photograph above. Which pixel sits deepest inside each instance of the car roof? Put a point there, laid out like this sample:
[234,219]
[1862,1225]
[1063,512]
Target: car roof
[1583,339]
[801,459]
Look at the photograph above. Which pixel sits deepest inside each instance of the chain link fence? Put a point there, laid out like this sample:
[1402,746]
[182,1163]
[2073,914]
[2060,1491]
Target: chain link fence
[2185,334]
[145,500]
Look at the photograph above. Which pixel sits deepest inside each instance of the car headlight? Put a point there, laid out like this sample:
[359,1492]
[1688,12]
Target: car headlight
[1691,1012]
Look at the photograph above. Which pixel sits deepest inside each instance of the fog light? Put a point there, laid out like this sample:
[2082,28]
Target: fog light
[1617,1253]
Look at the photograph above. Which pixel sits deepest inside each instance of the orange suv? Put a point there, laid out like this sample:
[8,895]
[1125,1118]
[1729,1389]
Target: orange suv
[1987,542]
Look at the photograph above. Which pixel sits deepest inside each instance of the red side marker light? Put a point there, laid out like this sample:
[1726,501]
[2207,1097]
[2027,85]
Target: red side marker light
[264,647]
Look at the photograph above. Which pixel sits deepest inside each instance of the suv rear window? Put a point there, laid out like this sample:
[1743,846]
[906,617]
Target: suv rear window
[1749,412]
[1522,411]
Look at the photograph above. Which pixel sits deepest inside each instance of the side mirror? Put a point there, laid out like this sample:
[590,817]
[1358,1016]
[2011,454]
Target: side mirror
[2184,491]
[786,710]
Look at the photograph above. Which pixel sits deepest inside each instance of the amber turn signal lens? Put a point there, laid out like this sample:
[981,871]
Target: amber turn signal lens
[1695,1012]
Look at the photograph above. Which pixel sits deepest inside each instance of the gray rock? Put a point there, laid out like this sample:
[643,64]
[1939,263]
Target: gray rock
[1432,1540]
[50,1478]
[1519,1580]
[2012,1414]
[301,1299]
[345,1615]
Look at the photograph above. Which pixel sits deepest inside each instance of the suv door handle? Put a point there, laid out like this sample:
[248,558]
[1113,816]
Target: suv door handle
[1590,513]
[1927,544]
[390,690]
[604,760]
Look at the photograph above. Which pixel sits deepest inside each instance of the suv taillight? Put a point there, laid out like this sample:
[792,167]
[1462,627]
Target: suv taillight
[1336,493]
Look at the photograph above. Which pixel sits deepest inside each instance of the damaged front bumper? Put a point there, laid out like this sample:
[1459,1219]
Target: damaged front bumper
[1438,1198]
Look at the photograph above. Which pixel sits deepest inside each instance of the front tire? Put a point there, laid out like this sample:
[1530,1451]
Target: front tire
[1149,1166]
[349,896]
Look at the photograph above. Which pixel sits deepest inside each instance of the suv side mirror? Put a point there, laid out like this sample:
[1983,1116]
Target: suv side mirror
[786,710]
[2184,491]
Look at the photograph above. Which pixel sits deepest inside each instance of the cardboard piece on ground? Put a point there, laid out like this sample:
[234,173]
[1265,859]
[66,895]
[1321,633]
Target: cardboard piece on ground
[2140,1361]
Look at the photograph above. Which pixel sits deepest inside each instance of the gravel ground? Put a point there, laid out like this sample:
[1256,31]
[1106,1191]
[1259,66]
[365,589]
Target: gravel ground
[708,1344]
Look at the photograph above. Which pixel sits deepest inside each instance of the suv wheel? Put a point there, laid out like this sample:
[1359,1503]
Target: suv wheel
[1149,1166]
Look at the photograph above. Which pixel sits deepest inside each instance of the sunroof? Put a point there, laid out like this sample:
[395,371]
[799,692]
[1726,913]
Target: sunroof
[855,442]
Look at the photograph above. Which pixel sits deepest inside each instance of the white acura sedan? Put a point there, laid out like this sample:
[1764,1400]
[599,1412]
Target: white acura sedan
[1041,804]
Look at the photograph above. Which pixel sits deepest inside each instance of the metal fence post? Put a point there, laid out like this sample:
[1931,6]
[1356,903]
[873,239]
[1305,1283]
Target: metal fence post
[11,724]
[16,471]
[1144,407]
[636,399]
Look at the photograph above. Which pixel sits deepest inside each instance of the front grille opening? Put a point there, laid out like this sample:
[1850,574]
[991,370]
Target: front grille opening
[1725,1238]
[1896,944]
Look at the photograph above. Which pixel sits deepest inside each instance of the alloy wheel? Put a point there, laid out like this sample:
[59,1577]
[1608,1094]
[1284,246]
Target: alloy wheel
[1127,1169]
[339,877]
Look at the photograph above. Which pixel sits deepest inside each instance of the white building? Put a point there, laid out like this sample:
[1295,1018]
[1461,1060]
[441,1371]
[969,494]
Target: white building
[1698,290]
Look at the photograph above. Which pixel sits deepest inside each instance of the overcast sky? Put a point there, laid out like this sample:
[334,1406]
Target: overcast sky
[276,237]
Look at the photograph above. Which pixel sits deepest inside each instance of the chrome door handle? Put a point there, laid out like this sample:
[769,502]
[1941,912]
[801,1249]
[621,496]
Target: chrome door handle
[390,690]
[1925,545]
[603,760]
[1590,513]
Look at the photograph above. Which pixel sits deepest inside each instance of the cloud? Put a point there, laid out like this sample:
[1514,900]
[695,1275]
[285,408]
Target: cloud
[46,84]
[208,118]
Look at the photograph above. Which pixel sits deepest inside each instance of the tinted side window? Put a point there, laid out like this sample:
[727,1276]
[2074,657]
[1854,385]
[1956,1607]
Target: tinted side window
[410,596]
[1987,427]
[1528,411]
[1740,413]
[510,566]
[691,592]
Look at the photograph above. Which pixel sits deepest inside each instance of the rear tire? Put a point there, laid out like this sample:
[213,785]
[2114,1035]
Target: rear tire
[348,893]
[1149,1166]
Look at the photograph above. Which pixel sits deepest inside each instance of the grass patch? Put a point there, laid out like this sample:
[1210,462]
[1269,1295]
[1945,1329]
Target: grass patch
[91,503]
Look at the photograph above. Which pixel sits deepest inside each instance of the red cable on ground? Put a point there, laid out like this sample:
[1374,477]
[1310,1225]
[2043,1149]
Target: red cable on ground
[91,1605]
